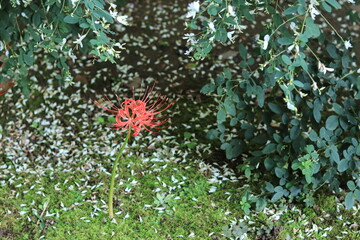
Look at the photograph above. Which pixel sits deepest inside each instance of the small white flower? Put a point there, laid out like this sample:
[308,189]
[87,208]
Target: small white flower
[291,47]
[189,51]
[73,2]
[62,44]
[313,10]
[71,55]
[190,38]
[111,53]
[266,41]
[293,26]
[79,40]
[113,13]
[193,8]
[119,45]
[231,11]
[313,13]
[323,69]
[230,36]
[314,86]
[348,44]
[314,3]
[291,106]
[123,20]
[24,15]
[212,27]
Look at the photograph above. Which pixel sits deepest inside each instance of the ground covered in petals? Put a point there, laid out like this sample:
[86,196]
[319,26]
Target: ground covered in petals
[56,170]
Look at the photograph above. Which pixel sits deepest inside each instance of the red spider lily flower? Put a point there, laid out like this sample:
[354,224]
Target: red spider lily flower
[139,114]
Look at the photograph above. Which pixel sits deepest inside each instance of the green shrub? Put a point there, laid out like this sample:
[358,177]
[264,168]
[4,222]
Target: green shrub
[285,113]
[54,29]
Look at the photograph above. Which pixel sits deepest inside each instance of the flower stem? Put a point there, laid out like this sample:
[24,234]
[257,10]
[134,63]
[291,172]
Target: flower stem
[112,182]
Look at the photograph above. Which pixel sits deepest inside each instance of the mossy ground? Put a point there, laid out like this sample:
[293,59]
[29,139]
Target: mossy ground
[143,213]
[195,211]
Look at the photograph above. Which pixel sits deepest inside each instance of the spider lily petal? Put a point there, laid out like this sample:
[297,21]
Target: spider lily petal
[139,114]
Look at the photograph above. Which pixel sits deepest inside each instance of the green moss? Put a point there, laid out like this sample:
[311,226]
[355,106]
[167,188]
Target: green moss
[196,211]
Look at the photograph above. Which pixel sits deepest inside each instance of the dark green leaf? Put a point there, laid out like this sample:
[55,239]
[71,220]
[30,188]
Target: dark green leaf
[351,185]
[286,59]
[89,4]
[269,148]
[212,134]
[243,52]
[285,41]
[313,136]
[304,64]
[269,187]
[260,96]
[248,15]
[332,122]
[357,194]
[233,122]
[349,200]
[277,196]
[277,138]
[208,88]
[235,148]
[298,84]
[221,116]
[317,115]
[345,60]
[227,73]
[338,109]
[343,165]
[334,3]
[245,74]
[280,172]
[269,163]
[230,106]
[312,29]
[290,10]
[84,25]
[334,154]
[221,127]
[100,13]
[301,10]
[326,7]
[294,132]
[71,19]
[98,3]
[331,49]
[219,80]
[221,35]
[212,10]
[29,58]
